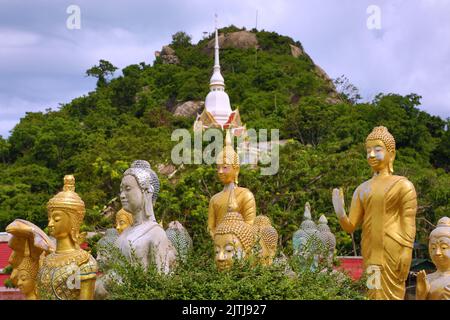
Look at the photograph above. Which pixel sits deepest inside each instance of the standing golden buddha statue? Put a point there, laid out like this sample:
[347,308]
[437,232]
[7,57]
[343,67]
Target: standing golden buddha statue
[386,208]
[69,273]
[436,286]
[228,171]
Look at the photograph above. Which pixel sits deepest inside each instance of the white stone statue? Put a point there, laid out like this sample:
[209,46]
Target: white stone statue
[145,240]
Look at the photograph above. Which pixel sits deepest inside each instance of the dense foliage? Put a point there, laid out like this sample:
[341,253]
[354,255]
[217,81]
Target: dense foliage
[199,279]
[130,117]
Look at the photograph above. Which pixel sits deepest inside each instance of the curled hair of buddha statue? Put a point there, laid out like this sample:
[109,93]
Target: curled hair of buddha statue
[228,156]
[442,229]
[148,182]
[267,233]
[382,133]
[70,203]
[128,217]
[233,223]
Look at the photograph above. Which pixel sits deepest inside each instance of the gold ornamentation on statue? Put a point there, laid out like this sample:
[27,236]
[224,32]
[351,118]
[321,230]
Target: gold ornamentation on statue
[70,272]
[124,220]
[233,239]
[268,239]
[228,171]
[436,286]
[385,206]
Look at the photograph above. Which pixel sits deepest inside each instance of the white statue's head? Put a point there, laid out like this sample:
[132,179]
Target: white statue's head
[139,189]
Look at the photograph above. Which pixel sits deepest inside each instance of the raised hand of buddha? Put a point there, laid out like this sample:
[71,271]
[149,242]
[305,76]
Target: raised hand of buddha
[422,286]
[338,202]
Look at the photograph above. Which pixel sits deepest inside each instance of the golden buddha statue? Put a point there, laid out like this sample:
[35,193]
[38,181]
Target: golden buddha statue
[436,286]
[233,239]
[267,237]
[124,220]
[69,273]
[386,208]
[228,172]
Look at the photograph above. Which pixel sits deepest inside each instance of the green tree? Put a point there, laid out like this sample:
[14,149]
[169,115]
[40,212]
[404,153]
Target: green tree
[181,40]
[4,150]
[101,71]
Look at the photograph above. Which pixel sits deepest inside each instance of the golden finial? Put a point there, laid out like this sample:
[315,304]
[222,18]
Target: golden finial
[69,183]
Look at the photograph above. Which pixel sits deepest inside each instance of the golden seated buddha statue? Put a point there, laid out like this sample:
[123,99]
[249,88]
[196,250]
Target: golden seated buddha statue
[228,171]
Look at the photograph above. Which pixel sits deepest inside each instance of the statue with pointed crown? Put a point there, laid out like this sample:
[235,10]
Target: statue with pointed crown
[328,241]
[436,286]
[105,255]
[305,241]
[69,273]
[385,206]
[145,239]
[228,171]
[46,271]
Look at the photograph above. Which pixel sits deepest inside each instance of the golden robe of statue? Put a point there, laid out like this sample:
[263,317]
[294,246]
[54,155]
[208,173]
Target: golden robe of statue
[385,206]
[228,171]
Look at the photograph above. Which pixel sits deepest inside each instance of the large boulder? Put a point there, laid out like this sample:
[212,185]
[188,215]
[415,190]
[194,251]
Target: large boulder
[189,108]
[167,55]
[296,51]
[239,39]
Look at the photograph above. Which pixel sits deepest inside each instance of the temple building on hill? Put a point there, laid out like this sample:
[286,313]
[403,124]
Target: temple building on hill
[217,112]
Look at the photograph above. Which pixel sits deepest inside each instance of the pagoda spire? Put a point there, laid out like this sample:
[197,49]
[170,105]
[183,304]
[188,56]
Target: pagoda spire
[217,81]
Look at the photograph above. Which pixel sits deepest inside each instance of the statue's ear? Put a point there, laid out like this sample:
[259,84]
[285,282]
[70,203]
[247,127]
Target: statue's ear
[391,161]
[148,206]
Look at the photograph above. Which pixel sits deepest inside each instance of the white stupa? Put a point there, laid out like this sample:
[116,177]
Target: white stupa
[217,112]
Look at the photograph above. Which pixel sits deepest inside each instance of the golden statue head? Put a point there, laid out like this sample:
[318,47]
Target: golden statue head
[268,239]
[66,212]
[26,273]
[228,162]
[439,245]
[233,239]
[124,220]
[380,146]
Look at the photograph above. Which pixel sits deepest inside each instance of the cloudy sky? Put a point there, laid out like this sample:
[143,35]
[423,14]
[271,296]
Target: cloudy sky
[43,62]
